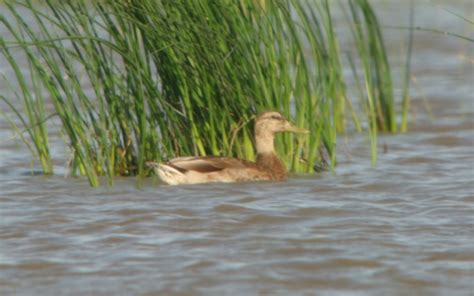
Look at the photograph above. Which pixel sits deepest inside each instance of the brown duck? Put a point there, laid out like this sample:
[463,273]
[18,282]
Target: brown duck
[206,169]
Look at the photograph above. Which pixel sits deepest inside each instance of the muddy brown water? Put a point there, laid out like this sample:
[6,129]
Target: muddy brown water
[405,227]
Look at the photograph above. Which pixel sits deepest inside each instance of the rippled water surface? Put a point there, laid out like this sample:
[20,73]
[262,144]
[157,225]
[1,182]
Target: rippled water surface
[405,227]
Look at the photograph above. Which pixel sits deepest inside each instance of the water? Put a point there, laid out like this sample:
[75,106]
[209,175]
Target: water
[405,227]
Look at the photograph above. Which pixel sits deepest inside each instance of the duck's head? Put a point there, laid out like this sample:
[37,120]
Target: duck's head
[274,122]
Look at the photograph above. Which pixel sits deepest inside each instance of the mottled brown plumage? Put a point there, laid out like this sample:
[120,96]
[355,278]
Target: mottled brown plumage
[271,164]
[192,170]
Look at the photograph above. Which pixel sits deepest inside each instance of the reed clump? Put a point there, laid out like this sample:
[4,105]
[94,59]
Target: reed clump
[139,80]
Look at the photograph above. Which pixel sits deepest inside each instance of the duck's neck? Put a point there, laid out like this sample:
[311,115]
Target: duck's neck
[264,141]
[267,160]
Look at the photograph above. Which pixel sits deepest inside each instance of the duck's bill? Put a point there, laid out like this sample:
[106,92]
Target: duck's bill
[295,129]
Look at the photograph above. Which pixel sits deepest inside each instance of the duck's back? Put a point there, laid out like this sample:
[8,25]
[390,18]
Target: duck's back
[193,170]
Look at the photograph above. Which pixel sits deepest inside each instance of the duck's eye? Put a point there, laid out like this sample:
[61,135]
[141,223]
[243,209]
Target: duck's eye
[276,117]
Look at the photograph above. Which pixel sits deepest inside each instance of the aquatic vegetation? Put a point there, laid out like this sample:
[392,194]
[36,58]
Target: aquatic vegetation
[133,81]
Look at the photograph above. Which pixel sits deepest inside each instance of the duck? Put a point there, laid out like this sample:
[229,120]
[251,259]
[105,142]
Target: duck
[206,169]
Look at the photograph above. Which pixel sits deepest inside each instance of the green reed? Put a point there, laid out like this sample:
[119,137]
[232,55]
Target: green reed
[377,88]
[33,116]
[406,81]
[132,81]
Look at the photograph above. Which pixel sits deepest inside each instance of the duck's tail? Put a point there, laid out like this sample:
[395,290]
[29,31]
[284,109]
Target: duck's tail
[167,173]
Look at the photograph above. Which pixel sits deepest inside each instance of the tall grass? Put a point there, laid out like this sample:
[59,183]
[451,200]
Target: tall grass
[32,117]
[133,81]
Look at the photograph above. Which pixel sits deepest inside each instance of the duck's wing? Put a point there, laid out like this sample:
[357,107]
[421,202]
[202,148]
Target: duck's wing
[207,164]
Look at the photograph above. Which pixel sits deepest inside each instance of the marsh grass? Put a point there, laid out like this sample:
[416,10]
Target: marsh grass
[133,81]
